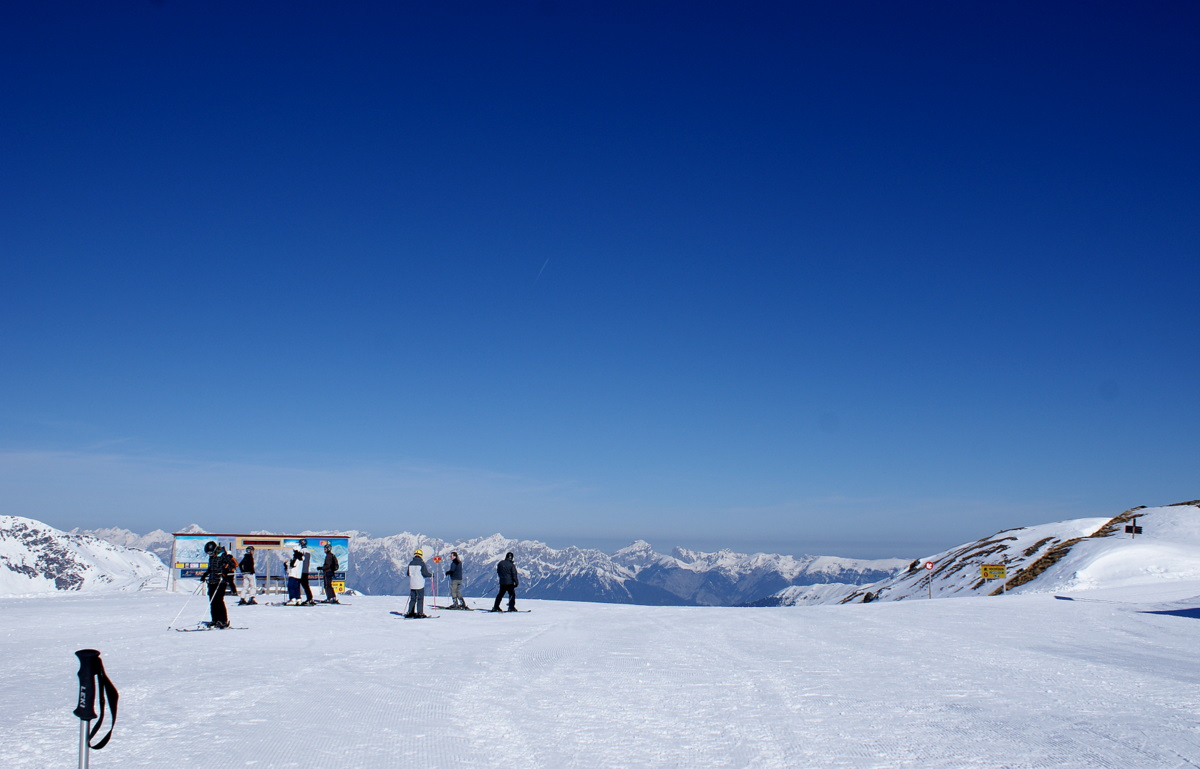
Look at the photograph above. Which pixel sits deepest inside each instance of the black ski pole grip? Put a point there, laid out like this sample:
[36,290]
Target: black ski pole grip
[88,659]
[93,684]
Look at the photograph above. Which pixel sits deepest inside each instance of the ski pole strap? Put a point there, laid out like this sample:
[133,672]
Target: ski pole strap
[93,681]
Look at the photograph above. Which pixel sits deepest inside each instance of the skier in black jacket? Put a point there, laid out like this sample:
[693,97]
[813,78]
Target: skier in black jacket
[327,570]
[249,580]
[308,596]
[219,564]
[507,570]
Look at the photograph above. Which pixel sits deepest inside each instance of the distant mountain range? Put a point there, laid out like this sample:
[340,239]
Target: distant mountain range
[1069,555]
[635,574]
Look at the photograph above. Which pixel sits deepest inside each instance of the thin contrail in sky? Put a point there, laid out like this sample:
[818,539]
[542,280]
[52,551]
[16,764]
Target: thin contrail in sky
[539,275]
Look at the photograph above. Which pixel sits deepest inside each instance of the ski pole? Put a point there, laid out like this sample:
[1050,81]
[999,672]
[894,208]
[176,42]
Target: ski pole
[93,685]
[185,604]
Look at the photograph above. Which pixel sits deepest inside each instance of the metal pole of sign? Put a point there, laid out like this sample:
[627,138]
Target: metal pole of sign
[437,566]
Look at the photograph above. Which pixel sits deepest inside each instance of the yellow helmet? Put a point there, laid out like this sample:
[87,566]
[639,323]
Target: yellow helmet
[420,552]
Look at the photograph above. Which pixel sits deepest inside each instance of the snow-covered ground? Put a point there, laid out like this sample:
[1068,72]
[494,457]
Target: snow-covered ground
[1013,681]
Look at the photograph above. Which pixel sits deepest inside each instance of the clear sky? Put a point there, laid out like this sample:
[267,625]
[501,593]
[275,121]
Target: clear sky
[848,278]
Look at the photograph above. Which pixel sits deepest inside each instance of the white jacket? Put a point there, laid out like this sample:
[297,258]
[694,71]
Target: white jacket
[296,569]
[416,580]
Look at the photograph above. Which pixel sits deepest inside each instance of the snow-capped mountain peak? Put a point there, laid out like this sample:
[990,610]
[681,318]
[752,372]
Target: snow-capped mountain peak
[36,558]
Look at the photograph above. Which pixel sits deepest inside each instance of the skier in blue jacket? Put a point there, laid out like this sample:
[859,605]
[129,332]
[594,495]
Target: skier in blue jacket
[455,573]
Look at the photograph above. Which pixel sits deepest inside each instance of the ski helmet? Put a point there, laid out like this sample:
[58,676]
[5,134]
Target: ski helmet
[249,548]
[328,546]
[420,552]
[210,547]
[303,543]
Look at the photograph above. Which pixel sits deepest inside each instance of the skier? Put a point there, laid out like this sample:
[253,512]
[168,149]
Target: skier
[249,580]
[308,596]
[455,573]
[229,567]
[214,577]
[328,569]
[507,570]
[294,567]
[418,572]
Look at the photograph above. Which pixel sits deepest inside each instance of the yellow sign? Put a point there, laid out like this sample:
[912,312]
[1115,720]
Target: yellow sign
[992,571]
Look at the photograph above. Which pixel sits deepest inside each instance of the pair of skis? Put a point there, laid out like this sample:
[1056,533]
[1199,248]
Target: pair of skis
[206,626]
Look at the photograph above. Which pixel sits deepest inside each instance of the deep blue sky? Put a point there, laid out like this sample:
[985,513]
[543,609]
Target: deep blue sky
[849,278]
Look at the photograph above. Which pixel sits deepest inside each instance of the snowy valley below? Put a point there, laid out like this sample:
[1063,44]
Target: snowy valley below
[1088,663]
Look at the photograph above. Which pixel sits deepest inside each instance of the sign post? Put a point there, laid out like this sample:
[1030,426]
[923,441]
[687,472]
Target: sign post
[437,559]
[1132,529]
[994,571]
[929,578]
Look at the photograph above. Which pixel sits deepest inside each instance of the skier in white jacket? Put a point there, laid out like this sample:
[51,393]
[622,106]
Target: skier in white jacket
[295,567]
[418,572]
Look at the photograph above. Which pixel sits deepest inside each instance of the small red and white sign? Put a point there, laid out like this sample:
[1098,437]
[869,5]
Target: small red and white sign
[929,565]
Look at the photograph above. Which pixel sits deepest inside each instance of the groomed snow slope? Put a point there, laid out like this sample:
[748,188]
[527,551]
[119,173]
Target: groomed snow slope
[1016,681]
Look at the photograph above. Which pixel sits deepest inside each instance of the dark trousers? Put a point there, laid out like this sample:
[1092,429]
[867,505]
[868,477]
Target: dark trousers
[329,594]
[216,602]
[307,589]
[416,601]
[512,597]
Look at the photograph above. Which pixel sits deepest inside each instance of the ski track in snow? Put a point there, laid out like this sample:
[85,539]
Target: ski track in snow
[1019,682]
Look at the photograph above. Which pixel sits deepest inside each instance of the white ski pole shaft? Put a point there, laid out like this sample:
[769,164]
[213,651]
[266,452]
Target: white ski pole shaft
[185,604]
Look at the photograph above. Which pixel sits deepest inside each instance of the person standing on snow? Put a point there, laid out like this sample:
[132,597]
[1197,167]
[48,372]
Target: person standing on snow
[214,577]
[418,572]
[327,570]
[455,573]
[294,567]
[308,596]
[507,570]
[249,580]
[230,566]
